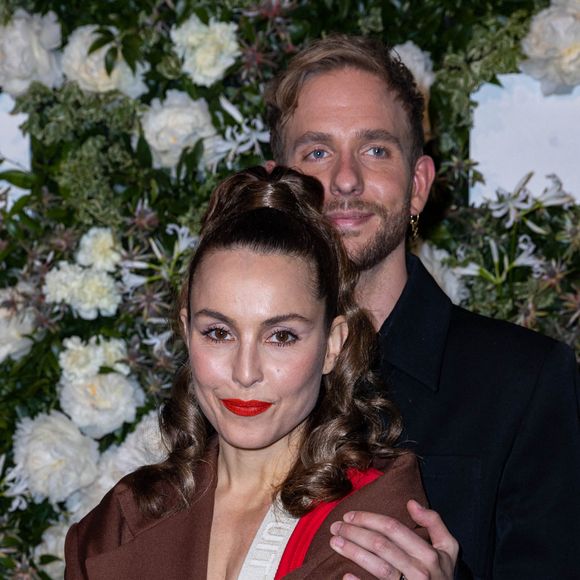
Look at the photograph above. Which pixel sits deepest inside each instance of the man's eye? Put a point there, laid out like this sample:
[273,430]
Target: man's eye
[378,151]
[317,154]
[283,338]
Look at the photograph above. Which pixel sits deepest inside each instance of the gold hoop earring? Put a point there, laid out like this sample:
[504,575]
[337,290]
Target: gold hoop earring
[414,223]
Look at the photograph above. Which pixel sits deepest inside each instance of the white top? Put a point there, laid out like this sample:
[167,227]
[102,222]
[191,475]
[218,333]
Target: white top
[268,545]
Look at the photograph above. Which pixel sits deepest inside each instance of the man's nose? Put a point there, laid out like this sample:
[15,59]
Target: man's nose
[247,366]
[347,177]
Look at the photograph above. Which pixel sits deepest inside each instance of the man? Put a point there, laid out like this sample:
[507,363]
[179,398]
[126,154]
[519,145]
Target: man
[490,408]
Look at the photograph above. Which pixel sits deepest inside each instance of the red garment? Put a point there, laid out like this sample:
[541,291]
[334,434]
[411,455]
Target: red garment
[308,525]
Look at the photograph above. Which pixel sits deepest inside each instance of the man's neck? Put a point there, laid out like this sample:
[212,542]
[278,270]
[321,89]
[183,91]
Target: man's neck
[379,288]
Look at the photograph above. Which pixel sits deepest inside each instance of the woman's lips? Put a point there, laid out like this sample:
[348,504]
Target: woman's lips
[246,408]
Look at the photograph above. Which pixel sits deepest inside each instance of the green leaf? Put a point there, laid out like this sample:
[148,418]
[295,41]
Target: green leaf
[111,59]
[18,178]
[144,152]
[100,42]
[130,48]
[20,204]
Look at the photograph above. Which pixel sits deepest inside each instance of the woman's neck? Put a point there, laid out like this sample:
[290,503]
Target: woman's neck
[255,473]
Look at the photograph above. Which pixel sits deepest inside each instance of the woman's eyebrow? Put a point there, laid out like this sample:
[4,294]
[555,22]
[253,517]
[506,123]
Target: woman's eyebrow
[213,314]
[292,316]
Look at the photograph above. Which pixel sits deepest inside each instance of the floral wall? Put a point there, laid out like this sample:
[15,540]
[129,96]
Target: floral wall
[135,109]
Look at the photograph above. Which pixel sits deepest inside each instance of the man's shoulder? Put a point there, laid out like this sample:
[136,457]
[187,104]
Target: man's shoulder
[467,325]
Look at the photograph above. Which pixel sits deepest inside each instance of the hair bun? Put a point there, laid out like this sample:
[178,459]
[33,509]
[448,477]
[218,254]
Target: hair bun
[282,189]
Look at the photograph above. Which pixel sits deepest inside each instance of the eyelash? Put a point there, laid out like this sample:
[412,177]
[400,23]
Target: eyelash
[293,338]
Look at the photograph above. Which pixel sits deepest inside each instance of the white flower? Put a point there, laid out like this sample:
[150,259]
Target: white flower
[16,322]
[418,62]
[89,292]
[28,46]
[102,403]
[89,71]
[53,544]
[97,248]
[172,126]
[185,241]
[80,360]
[527,258]
[80,503]
[237,140]
[143,446]
[554,195]
[207,50]
[52,458]
[448,279]
[553,47]
[511,204]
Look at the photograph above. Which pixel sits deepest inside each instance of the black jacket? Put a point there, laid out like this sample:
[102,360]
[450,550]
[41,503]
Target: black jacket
[493,411]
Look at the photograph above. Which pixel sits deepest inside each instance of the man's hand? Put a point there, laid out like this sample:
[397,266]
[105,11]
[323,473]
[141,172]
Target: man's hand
[389,550]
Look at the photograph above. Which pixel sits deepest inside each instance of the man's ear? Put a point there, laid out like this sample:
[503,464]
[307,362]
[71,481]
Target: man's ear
[184,324]
[335,342]
[423,176]
[269,165]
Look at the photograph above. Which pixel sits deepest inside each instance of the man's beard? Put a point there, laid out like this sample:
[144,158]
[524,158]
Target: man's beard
[391,232]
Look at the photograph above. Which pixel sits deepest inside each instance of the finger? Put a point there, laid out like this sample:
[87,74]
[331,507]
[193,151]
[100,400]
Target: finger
[371,550]
[441,538]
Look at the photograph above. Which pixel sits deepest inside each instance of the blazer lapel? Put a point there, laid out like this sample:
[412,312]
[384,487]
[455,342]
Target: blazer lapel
[172,548]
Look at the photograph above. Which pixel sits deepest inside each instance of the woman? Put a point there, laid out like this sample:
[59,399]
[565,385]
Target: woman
[274,422]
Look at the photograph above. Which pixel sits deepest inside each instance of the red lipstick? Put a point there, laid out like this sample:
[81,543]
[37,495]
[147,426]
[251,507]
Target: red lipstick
[246,408]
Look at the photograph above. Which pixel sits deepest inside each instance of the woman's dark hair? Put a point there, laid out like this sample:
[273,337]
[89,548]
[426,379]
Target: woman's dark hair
[280,213]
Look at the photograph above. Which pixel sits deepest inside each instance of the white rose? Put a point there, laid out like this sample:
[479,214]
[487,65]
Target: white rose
[16,322]
[97,248]
[89,71]
[53,545]
[553,48]
[87,291]
[79,360]
[177,123]
[143,446]
[52,458]
[98,293]
[102,403]
[80,503]
[207,50]
[115,351]
[418,62]
[448,279]
[28,46]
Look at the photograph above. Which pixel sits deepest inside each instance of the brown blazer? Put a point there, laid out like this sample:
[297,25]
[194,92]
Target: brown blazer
[116,542]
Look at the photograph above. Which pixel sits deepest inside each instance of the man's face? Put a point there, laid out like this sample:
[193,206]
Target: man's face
[352,134]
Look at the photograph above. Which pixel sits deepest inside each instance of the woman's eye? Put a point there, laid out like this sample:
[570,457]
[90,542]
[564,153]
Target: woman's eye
[283,338]
[217,334]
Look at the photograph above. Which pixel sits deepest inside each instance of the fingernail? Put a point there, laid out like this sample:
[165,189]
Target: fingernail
[336,542]
[350,577]
[335,528]
[348,516]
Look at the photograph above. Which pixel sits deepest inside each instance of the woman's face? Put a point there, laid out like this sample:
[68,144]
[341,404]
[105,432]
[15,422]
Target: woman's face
[258,344]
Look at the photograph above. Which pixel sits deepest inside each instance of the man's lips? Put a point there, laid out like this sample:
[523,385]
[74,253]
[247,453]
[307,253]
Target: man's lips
[246,408]
[349,219]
